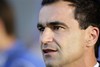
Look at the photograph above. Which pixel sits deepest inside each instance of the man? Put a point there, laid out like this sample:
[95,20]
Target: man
[12,51]
[69,32]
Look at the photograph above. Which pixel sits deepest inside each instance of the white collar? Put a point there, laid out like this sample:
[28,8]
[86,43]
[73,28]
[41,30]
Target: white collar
[97,65]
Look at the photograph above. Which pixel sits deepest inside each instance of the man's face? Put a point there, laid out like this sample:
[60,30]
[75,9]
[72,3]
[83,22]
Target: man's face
[62,40]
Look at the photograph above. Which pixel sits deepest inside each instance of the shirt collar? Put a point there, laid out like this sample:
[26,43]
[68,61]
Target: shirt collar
[97,65]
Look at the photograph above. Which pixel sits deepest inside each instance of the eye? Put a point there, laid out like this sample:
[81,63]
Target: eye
[41,28]
[57,28]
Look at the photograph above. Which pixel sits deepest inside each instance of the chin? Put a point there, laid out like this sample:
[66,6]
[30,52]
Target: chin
[52,63]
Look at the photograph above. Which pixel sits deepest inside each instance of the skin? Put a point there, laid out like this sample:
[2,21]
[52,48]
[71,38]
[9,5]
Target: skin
[6,41]
[59,31]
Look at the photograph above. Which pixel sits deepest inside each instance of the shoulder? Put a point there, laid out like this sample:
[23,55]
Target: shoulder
[26,59]
[20,59]
[22,63]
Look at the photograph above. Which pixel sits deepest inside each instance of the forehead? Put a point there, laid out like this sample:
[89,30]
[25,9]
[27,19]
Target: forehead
[59,11]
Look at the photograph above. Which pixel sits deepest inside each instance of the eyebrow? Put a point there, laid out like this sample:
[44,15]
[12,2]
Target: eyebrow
[53,24]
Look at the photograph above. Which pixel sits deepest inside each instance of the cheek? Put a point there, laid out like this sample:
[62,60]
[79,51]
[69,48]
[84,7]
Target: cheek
[71,46]
[70,38]
[71,42]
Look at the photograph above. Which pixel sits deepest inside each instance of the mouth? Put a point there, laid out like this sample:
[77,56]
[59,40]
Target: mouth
[48,51]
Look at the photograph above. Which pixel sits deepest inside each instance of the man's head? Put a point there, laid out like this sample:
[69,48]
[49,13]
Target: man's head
[6,26]
[69,30]
[6,17]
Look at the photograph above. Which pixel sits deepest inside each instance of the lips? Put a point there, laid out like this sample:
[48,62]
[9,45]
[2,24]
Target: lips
[49,50]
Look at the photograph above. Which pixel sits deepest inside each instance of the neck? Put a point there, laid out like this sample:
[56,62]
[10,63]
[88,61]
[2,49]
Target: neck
[90,59]
[87,60]
[76,63]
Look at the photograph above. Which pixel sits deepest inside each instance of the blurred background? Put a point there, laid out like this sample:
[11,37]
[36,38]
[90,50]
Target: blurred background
[26,18]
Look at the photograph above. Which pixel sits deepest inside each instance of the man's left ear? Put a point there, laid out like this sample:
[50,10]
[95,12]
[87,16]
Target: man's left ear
[93,34]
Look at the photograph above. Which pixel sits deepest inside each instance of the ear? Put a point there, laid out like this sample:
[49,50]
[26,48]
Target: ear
[92,34]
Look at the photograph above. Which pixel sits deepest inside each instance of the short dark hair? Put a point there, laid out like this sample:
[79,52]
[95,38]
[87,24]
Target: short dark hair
[6,15]
[87,12]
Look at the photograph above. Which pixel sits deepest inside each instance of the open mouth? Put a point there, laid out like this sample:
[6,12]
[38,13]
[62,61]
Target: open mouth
[49,50]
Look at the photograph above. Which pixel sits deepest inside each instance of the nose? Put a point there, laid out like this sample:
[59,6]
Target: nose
[47,36]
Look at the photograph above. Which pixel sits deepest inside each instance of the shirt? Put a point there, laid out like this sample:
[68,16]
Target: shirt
[18,56]
[97,65]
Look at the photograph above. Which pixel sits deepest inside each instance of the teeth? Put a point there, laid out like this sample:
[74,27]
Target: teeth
[48,50]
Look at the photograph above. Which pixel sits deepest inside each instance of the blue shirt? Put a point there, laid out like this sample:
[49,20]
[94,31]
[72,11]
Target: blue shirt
[19,56]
